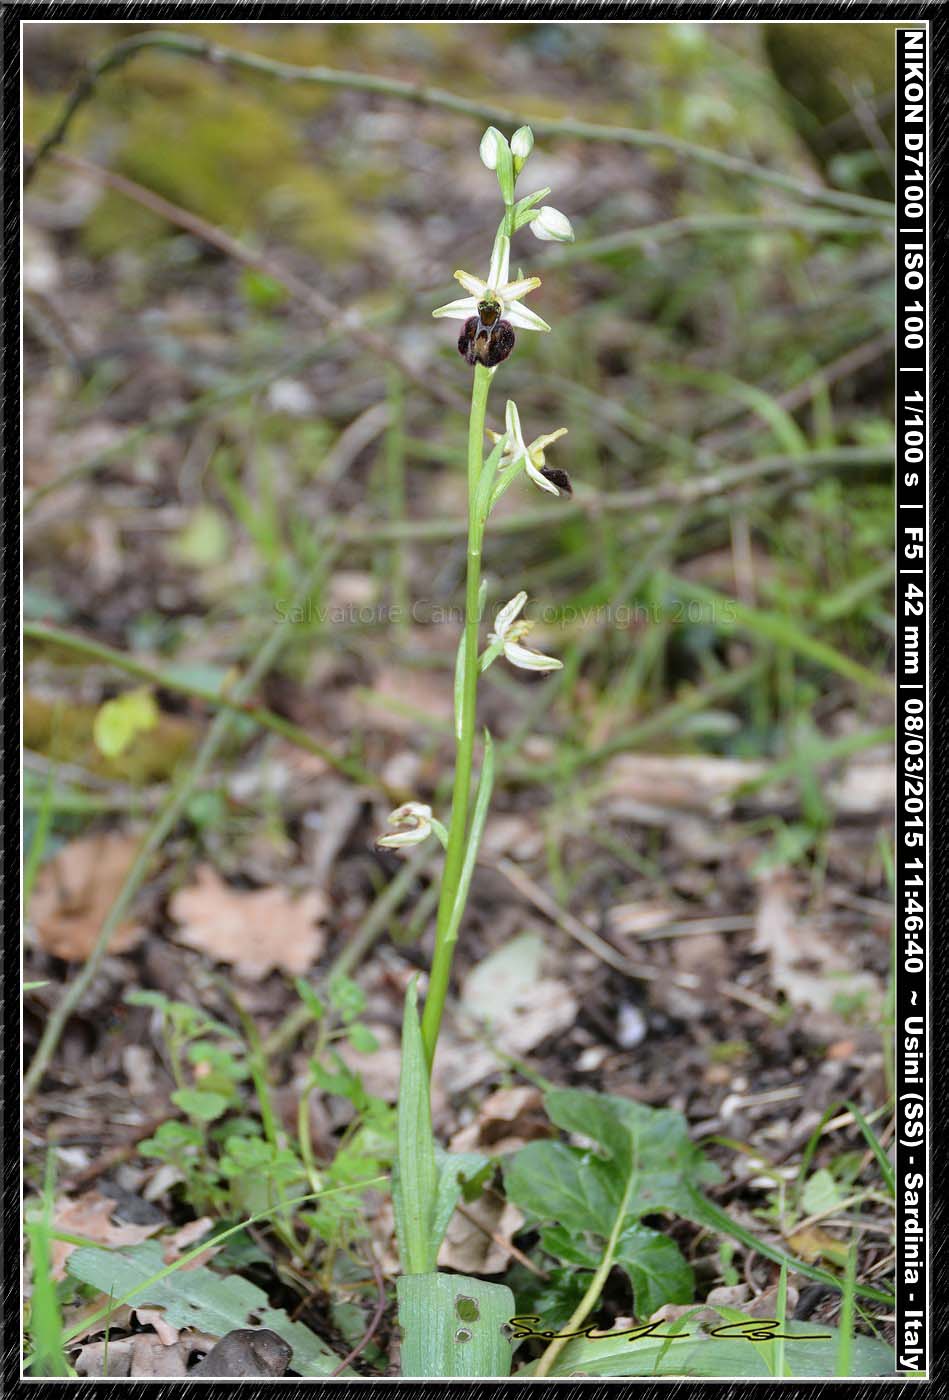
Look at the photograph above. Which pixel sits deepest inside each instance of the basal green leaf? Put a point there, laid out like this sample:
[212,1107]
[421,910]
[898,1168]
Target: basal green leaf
[454,1326]
[415,1180]
[455,1169]
[697,1353]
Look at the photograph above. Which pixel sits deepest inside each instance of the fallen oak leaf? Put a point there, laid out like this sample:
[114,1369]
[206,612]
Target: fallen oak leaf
[90,1215]
[256,931]
[75,891]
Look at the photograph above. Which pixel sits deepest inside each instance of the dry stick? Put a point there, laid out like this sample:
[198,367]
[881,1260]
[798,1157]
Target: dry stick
[710,484]
[541,900]
[160,830]
[308,296]
[509,1248]
[97,651]
[200,48]
[690,225]
[374,1321]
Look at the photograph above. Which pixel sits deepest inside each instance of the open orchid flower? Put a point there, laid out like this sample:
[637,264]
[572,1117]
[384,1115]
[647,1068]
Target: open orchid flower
[508,634]
[414,824]
[533,454]
[496,291]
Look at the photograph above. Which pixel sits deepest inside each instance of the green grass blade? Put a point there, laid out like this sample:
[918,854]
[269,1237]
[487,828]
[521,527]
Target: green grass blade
[44,819]
[46,1324]
[876,1146]
[772,627]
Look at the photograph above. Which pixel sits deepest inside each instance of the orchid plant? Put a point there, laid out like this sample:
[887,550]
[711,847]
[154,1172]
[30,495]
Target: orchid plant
[453,1325]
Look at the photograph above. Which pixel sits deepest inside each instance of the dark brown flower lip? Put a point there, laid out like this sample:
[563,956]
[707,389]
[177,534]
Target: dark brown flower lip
[557,478]
[484,345]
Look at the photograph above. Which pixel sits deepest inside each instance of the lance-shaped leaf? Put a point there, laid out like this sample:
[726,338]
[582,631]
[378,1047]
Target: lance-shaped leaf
[415,1179]
[453,1325]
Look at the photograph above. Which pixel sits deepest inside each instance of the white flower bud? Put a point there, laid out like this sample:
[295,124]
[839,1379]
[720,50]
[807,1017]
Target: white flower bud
[491,143]
[522,142]
[552,226]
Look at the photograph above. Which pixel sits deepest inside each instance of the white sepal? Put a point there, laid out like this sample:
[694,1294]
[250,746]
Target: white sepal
[528,660]
[524,318]
[458,310]
[502,623]
[500,260]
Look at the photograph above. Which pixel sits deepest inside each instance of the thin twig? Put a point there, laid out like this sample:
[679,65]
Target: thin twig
[508,1246]
[710,485]
[161,828]
[204,49]
[591,940]
[700,225]
[376,1318]
[307,295]
[266,719]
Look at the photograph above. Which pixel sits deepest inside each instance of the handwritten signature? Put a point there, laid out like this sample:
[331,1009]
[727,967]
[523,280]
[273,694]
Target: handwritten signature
[758,1329]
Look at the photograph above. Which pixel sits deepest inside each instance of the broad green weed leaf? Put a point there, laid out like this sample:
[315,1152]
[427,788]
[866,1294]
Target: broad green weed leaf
[551,1181]
[821,1193]
[581,1189]
[197,1298]
[200,1105]
[655,1267]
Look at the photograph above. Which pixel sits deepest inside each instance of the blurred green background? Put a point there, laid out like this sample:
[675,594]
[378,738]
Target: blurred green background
[704,321]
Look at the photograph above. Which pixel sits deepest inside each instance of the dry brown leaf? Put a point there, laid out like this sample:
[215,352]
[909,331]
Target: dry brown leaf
[400,696]
[509,834]
[806,964]
[811,1243]
[864,789]
[75,891]
[255,931]
[507,1119]
[692,782]
[144,1355]
[90,1215]
[175,1245]
[469,1246]
[154,1317]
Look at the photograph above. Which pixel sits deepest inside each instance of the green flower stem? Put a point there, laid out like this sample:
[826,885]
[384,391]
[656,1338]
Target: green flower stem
[461,794]
[588,1301]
